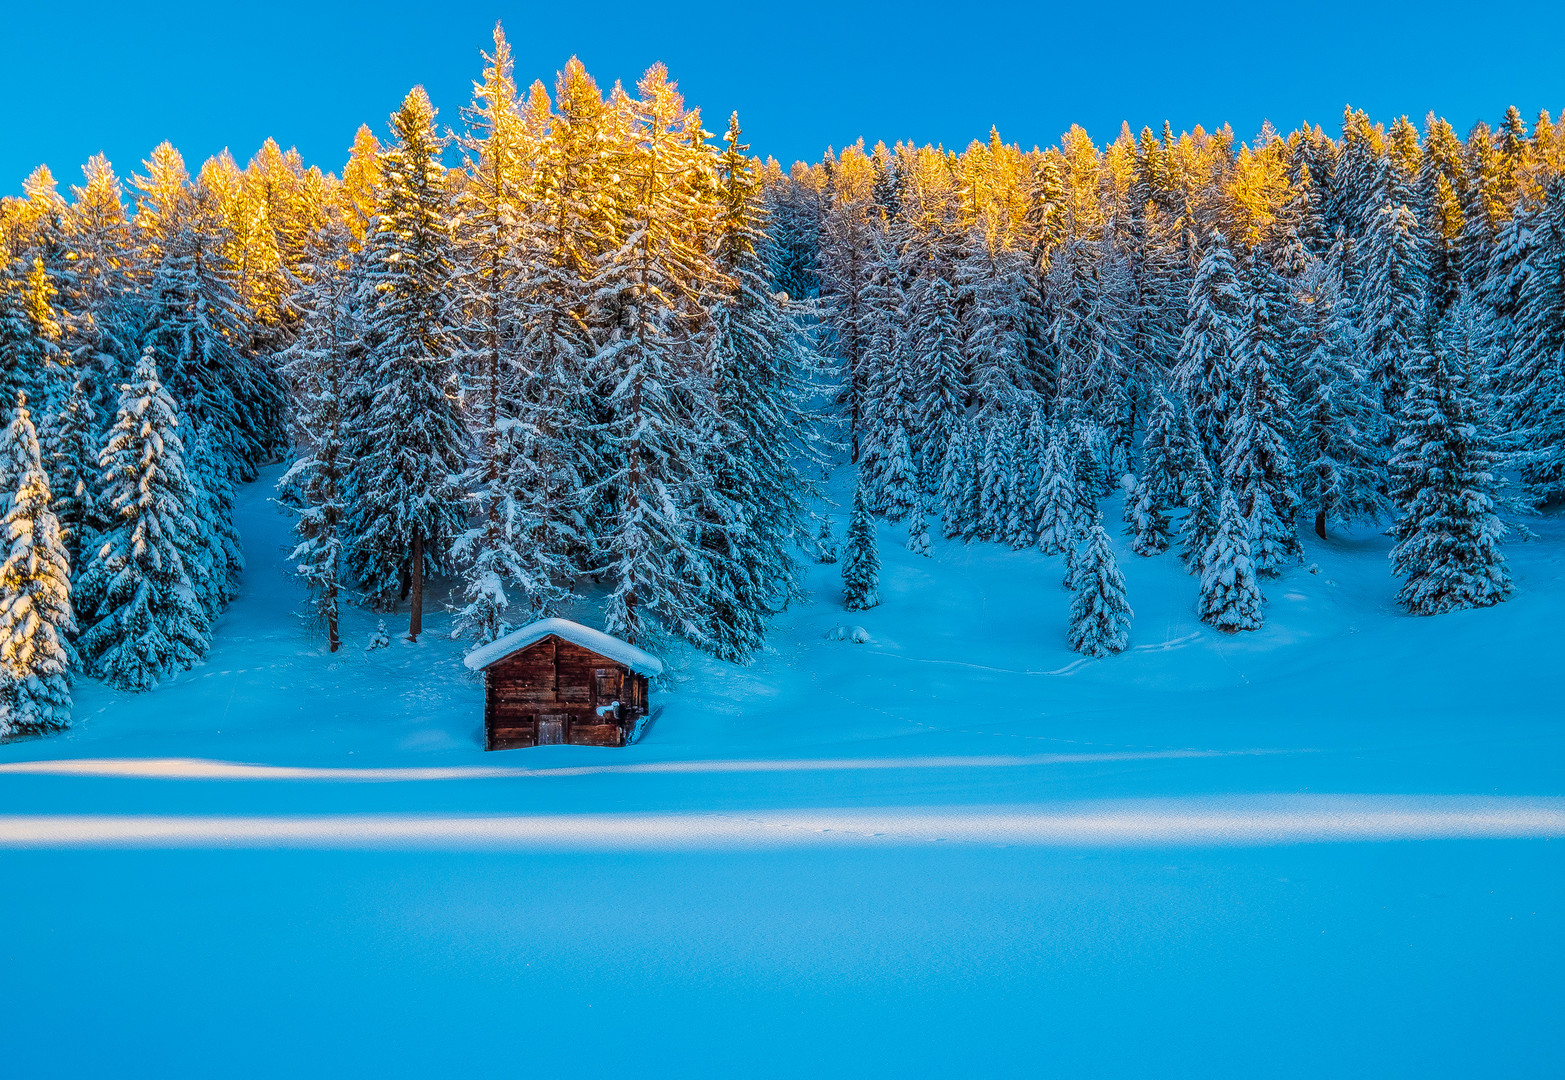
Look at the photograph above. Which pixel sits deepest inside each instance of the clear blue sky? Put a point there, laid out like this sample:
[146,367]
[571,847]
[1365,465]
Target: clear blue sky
[90,76]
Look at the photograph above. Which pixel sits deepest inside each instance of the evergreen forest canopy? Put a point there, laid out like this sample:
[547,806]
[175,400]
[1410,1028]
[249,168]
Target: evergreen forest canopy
[610,349]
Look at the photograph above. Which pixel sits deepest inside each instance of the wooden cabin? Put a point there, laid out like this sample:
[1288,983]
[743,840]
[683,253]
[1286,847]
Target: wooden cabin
[557,681]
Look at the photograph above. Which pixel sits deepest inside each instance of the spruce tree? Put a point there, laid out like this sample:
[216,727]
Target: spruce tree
[1258,466]
[1204,369]
[141,589]
[1100,614]
[1199,526]
[918,535]
[36,621]
[959,482]
[405,513]
[1340,460]
[1146,519]
[1056,501]
[1230,596]
[1533,380]
[1445,485]
[860,557]
[71,444]
[825,543]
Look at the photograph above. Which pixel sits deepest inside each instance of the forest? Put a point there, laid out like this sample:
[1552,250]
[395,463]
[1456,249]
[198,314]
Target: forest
[578,342]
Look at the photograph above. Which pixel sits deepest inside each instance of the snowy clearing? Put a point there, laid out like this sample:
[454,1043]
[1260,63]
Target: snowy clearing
[1332,847]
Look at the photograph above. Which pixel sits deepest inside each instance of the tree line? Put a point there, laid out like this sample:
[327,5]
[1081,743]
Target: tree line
[580,342]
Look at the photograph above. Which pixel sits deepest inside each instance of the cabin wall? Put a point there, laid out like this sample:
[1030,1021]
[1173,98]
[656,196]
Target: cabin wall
[556,682]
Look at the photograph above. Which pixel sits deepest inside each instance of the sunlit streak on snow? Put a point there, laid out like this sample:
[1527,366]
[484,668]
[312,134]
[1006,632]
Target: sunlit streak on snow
[1248,821]
[200,769]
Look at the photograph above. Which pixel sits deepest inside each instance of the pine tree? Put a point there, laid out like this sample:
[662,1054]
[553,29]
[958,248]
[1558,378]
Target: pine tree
[1204,369]
[319,366]
[918,535]
[1340,460]
[1201,512]
[141,589]
[959,482]
[647,284]
[1230,596]
[1146,519]
[1257,462]
[1100,614]
[405,513]
[826,543]
[1533,380]
[36,621]
[1445,483]
[71,445]
[1056,501]
[860,557]
[1395,280]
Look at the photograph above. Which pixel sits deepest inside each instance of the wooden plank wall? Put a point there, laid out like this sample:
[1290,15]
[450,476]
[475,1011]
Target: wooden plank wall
[559,680]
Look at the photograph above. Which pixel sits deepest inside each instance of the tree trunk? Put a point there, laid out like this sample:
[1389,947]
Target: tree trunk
[1320,524]
[333,640]
[416,591]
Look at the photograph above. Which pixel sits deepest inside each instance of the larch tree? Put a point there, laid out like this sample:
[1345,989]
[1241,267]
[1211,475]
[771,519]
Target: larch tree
[406,512]
[36,621]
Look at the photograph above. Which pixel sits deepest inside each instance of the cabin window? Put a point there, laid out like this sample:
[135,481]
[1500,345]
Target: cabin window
[606,684]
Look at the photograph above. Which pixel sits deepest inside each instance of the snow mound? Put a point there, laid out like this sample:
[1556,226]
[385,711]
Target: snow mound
[585,636]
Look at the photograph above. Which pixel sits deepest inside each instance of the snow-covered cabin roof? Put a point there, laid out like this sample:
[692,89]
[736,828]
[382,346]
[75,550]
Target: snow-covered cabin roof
[585,636]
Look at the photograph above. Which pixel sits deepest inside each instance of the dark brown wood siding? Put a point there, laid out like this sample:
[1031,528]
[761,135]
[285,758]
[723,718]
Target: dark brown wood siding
[557,680]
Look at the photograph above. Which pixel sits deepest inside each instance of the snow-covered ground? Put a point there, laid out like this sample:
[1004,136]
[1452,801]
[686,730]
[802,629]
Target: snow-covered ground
[1330,848]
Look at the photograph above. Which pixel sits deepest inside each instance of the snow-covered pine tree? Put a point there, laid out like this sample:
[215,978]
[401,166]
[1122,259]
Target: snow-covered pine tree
[1257,461]
[825,543]
[36,622]
[71,445]
[319,367]
[1204,369]
[918,534]
[860,557]
[899,483]
[938,383]
[1445,483]
[649,287]
[994,479]
[1230,595]
[1146,518]
[99,283]
[1100,614]
[1032,439]
[501,154]
[211,507]
[1056,502]
[1533,381]
[405,514]
[756,361]
[140,589]
[850,224]
[1089,478]
[1199,526]
[959,482]
[1339,448]
[27,350]
[1392,301]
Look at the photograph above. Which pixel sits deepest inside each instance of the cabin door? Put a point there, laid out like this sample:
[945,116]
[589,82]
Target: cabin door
[551,730]
[606,689]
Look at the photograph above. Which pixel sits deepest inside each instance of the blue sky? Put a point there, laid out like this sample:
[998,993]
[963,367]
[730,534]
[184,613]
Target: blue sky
[91,76]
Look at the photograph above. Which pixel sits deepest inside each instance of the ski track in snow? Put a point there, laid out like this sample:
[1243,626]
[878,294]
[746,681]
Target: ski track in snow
[1187,822]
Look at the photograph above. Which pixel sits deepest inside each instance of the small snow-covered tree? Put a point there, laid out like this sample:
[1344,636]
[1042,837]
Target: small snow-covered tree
[959,483]
[1204,370]
[918,535]
[1100,614]
[36,621]
[1445,481]
[1056,500]
[825,542]
[1258,467]
[1230,596]
[860,557]
[1146,519]
[899,486]
[1201,510]
[140,588]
